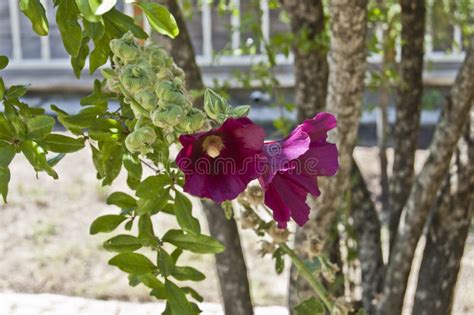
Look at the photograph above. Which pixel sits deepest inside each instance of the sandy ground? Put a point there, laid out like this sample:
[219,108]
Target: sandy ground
[45,246]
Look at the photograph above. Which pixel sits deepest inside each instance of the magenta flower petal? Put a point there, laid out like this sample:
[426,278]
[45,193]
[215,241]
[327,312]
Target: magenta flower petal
[293,176]
[219,164]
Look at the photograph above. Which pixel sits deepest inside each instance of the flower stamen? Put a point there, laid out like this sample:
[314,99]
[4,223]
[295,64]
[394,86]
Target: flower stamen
[213,145]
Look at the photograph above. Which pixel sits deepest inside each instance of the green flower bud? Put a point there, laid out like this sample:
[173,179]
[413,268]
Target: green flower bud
[157,57]
[194,121]
[170,92]
[177,72]
[215,106]
[147,99]
[125,48]
[168,118]
[164,75]
[136,77]
[140,140]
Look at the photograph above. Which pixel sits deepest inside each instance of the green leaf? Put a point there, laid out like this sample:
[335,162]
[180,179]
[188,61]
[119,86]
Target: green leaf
[122,243]
[100,54]
[121,200]
[100,7]
[16,91]
[187,273]
[117,24]
[67,17]
[6,130]
[4,180]
[146,235]
[177,300]
[193,294]
[7,153]
[201,244]
[310,306]
[184,215]
[111,161]
[150,281]
[37,158]
[240,111]
[2,88]
[56,159]
[160,18]
[39,127]
[87,11]
[34,11]
[78,61]
[153,186]
[165,263]
[132,263]
[62,144]
[106,223]
[134,168]
[3,62]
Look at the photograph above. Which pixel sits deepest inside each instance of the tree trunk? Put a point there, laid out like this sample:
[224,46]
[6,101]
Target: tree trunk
[311,65]
[231,267]
[426,186]
[447,233]
[408,108]
[311,77]
[367,228]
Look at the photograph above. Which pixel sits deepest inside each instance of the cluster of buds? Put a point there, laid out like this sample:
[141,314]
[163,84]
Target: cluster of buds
[313,246]
[217,108]
[153,86]
[252,196]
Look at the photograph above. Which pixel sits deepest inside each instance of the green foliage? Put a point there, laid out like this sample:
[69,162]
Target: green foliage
[34,10]
[201,244]
[310,306]
[106,223]
[160,18]
[133,263]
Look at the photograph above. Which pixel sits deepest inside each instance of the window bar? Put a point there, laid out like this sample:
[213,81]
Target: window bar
[206,31]
[235,24]
[265,22]
[457,42]
[45,48]
[15,30]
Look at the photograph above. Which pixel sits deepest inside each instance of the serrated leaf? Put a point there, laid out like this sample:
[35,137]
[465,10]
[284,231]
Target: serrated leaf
[121,200]
[62,144]
[117,24]
[39,127]
[67,16]
[34,11]
[122,243]
[106,223]
[160,18]
[177,300]
[187,273]
[201,244]
[132,263]
[184,215]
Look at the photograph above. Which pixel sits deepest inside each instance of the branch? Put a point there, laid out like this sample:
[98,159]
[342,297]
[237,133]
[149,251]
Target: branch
[427,184]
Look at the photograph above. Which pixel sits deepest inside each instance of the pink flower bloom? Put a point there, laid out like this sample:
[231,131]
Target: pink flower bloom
[218,164]
[294,164]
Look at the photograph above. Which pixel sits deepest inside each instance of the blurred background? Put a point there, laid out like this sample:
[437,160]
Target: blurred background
[44,243]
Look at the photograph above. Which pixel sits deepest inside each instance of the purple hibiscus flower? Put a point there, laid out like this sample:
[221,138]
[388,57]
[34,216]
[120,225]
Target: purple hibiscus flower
[294,164]
[218,164]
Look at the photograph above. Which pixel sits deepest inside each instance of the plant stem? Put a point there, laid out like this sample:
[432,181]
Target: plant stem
[308,275]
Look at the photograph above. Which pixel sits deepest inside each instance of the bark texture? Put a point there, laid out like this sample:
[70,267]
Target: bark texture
[231,267]
[311,65]
[447,232]
[311,78]
[408,108]
[347,64]
[367,228]
[426,186]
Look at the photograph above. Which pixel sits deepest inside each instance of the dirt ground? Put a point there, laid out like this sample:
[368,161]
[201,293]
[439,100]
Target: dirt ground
[45,246]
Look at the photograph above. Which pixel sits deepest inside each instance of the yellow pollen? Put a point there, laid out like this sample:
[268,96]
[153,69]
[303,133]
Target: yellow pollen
[213,146]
